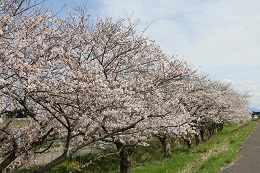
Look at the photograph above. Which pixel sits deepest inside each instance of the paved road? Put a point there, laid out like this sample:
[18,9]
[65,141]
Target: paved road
[249,161]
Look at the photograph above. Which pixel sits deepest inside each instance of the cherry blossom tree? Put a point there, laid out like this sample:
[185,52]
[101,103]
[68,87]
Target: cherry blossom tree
[79,84]
[235,104]
[83,84]
[34,70]
[178,122]
[210,103]
[161,102]
[11,13]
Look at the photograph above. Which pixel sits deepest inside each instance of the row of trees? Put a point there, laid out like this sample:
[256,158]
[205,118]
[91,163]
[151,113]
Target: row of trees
[86,83]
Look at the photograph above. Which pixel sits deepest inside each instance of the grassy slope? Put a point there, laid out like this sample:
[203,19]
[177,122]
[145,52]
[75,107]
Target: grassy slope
[209,157]
[20,123]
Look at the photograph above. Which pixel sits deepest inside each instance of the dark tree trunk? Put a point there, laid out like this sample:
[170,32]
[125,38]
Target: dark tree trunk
[50,165]
[202,135]
[220,127]
[207,133]
[167,148]
[125,156]
[166,142]
[211,132]
[197,139]
[64,156]
[188,141]
[9,159]
[213,129]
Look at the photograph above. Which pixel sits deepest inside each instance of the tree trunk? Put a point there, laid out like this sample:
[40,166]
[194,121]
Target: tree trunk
[220,127]
[187,141]
[202,132]
[211,132]
[197,139]
[166,142]
[167,148]
[125,156]
[50,165]
[10,158]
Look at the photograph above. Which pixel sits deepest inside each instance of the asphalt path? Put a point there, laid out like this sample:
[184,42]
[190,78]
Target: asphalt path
[249,161]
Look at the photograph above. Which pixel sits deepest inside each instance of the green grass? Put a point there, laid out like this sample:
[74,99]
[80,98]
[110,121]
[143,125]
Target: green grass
[209,157]
[256,119]
[15,122]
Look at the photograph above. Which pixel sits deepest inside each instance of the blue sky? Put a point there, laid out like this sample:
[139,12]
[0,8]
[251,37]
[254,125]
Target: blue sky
[221,37]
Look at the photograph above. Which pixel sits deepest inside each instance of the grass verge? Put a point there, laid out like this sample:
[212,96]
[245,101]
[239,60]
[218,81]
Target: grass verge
[21,123]
[209,157]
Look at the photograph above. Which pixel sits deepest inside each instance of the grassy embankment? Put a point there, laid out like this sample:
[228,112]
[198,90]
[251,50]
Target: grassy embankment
[256,119]
[209,157]
[20,123]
